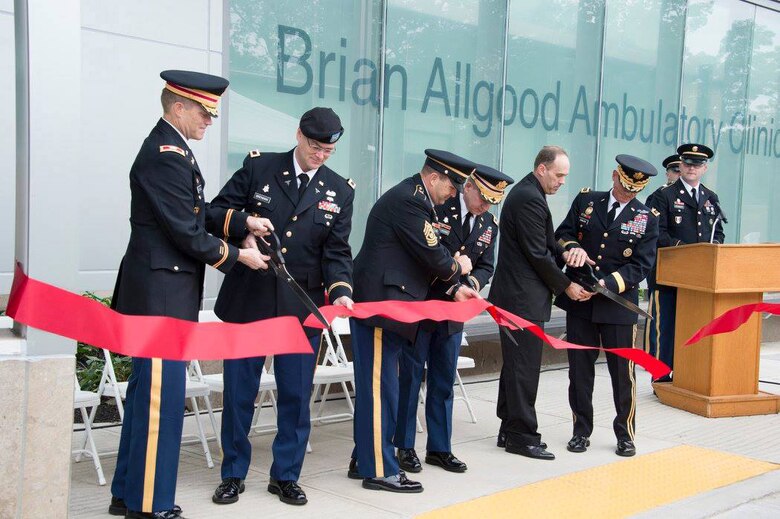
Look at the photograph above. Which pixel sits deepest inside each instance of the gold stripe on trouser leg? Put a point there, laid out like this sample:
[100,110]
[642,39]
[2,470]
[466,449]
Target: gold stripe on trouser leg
[657,315]
[648,324]
[376,387]
[632,412]
[152,435]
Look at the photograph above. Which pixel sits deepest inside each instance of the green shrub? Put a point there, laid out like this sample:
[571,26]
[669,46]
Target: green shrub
[90,361]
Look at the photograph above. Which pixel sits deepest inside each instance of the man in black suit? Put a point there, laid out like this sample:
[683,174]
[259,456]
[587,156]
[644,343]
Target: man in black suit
[527,275]
[311,206]
[619,233]
[465,227]
[689,212]
[401,256]
[162,274]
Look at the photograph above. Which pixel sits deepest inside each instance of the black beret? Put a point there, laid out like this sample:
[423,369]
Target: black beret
[695,153]
[456,168]
[322,125]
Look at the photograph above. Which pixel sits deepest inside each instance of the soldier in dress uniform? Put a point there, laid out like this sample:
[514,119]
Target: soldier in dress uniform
[672,166]
[162,274]
[619,233]
[465,227]
[402,254]
[688,213]
[311,206]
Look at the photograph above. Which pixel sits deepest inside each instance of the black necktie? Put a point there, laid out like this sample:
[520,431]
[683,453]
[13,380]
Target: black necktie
[611,213]
[304,181]
[467,225]
[693,194]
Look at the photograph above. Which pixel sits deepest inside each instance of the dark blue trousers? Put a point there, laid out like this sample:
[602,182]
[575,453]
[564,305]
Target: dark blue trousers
[294,374]
[148,460]
[376,352]
[659,333]
[440,350]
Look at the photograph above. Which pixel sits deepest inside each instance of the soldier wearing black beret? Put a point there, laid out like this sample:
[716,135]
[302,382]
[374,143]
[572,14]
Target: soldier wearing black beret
[402,254]
[689,212]
[310,205]
[619,233]
[465,227]
[162,274]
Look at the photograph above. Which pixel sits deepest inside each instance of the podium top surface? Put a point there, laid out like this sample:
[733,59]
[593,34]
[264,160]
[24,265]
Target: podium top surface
[731,268]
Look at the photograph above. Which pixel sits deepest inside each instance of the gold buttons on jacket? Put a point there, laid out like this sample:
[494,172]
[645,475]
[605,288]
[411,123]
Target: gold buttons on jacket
[288,234]
[294,218]
[284,250]
[606,234]
[602,245]
[175,267]
[598,257]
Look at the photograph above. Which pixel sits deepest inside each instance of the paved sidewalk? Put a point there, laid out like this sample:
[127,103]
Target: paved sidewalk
[491,469]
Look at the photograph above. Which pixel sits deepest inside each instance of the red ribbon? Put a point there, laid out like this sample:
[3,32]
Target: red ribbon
[54,310]
[732,319]
[414,311]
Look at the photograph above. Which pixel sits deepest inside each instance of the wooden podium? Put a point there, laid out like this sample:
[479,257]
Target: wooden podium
[718,376]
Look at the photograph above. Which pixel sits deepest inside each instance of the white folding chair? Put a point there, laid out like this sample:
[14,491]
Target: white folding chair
[110,387]
[334,369]
[81,401]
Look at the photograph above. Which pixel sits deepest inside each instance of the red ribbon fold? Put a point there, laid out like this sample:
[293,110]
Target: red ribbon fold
[414,311]
[732,319]
[58,311]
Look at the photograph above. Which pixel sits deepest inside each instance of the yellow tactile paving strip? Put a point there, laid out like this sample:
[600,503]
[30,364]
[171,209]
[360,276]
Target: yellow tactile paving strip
[618,489]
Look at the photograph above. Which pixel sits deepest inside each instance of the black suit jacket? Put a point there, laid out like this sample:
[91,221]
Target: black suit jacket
[624,252]
[314,234]
[527,273]
[163,267]
[402,254]
[479,245]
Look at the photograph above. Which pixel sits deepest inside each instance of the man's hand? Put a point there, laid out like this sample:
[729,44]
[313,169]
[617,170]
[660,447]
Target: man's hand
[259,226]
[464,262]
[466,292]
[577,257]
[344,301]
[576,292]
[250,242]
[253,259]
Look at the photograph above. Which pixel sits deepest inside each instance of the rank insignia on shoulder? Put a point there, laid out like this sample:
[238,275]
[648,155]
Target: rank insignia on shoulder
[418,190]
[585,190]
[175,149]
[430,234]
[254,153]
[655,211]
[351,183]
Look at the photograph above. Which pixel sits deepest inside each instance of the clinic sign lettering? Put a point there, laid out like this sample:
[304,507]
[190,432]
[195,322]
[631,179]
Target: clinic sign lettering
[451,90]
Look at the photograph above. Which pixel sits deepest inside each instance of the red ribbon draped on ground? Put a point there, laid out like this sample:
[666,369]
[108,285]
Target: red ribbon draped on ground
[413,311]
[55,310]
[732,319]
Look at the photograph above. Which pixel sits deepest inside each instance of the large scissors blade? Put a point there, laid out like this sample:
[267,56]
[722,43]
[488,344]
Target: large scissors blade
[625,303]
[502,328]
[585,276]
[280,269]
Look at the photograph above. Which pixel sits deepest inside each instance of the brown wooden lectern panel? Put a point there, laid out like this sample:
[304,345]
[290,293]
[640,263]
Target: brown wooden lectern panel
[718,376]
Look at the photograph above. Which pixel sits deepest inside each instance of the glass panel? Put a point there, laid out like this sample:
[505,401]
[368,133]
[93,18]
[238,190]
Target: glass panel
[444,73]
[7,151]
[285,59]
[760,218]
[715,76]
[641,85]
[554,59]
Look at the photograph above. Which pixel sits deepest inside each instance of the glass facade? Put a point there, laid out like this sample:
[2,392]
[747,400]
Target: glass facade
[494,80]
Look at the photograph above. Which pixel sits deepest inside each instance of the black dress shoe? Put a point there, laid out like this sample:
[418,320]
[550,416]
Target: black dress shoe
[625,448]
[227,491]
[530,451]
[352,471]
[501,441]
[398,483]
[409,461]
[445,460]
[118,507]
[578,444]
[173,513]
[288,491]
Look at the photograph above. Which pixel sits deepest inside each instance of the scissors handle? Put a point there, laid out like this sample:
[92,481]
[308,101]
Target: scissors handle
[583,275]
[272,248]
